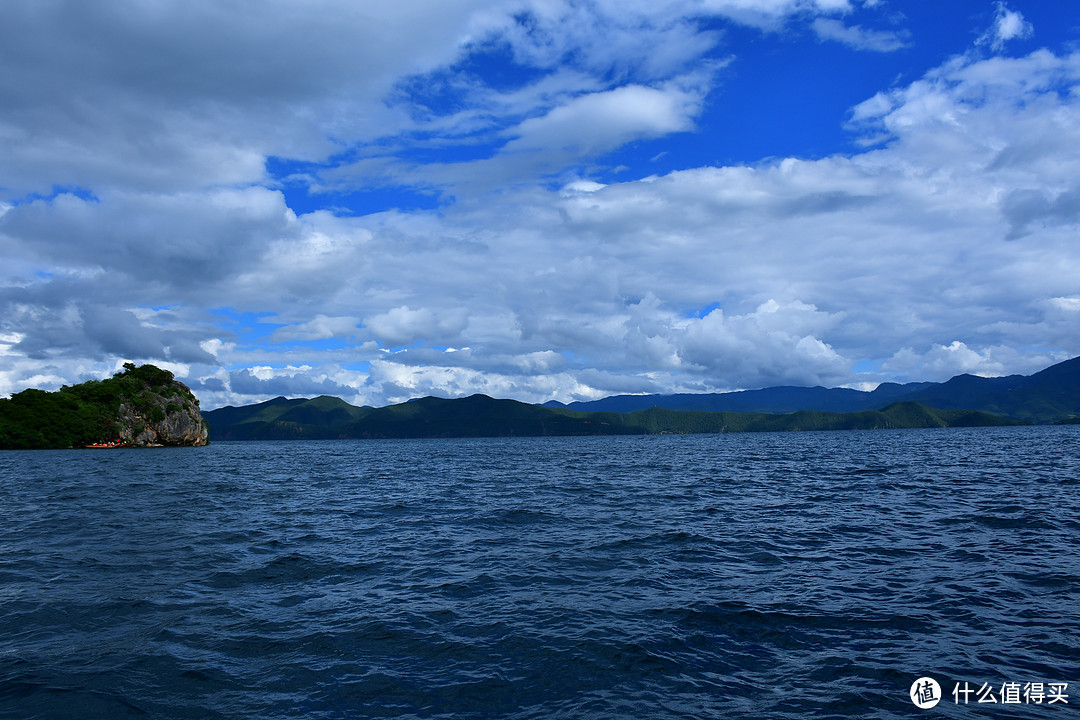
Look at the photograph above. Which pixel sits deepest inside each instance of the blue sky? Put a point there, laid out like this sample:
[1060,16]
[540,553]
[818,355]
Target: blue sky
[537,199]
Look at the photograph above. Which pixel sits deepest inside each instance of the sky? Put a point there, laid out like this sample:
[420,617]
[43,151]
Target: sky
[536,199]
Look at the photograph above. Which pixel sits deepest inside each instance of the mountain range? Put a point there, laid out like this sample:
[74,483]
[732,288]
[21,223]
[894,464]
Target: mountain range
[1052,395]
[1047,396]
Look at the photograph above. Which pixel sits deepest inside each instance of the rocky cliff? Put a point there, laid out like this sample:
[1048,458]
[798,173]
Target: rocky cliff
[163,415]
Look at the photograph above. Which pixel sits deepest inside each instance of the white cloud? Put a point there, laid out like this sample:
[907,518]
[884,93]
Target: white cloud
[647,40]
[769,13]
[320,327]
[598,122]
[773,345]
[181,95]
[143,249]
[582,186]
[941,362]
[1008,25]
[953,237]
[859,37]
[404,326]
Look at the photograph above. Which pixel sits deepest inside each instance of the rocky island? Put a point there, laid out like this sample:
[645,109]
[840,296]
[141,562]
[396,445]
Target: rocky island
[138,407]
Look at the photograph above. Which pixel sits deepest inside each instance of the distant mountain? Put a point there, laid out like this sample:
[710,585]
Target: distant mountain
[1047,396]
[781,399]
[482,416]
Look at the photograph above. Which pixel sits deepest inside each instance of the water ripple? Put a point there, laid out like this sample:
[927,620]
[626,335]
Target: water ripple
[809,575]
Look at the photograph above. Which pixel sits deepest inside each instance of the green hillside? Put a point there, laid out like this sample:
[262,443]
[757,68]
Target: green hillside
[323,417]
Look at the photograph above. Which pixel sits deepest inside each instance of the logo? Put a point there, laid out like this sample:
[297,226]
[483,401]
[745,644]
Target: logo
[925,693]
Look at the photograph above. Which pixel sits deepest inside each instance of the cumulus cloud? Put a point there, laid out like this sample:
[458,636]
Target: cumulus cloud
[774,345]
[403,325]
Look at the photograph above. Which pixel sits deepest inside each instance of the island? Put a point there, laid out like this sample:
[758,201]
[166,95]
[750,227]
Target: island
[137,407]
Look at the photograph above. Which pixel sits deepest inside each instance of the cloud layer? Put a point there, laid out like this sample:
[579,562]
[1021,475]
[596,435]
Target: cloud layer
[456,197]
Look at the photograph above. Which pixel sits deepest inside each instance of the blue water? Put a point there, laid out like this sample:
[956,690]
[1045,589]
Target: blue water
[789,575]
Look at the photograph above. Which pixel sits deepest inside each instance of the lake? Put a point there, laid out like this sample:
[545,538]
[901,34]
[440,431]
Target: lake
[780,575]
